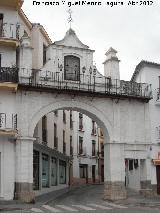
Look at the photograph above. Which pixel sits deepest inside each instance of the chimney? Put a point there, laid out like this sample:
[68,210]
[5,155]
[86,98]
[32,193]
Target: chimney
[111,65]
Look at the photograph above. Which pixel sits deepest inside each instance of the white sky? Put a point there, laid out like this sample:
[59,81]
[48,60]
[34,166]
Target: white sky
[134,31]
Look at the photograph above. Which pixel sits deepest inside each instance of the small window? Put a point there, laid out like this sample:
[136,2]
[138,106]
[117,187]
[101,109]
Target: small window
[44,130]
[71,147]
[93,128]
[80,145]
[56,113]
[130,165]
[83,170]
[1,24]
[64,143]
[17,57]
[44,54]
[93,148]
[64,116]
[55,136]
[80,121]
[71,68]
[0,61]
[71,120]
[102,149]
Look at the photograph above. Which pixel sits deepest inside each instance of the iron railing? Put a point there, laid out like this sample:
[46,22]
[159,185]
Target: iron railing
[8,121]
[88,83]
[9,74]
[9,30]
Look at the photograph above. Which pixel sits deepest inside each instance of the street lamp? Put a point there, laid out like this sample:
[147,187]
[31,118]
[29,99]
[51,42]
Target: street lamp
[94,75]
[83,71]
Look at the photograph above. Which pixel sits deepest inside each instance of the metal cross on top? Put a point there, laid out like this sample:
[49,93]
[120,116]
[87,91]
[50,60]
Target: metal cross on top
[70,20]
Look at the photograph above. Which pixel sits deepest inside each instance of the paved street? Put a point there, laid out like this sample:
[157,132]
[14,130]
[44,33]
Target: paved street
[88,199]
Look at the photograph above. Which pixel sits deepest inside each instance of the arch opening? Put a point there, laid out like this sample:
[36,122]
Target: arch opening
[89,163]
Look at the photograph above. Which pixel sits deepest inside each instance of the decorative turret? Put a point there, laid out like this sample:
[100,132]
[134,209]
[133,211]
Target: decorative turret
[111,64]
[25,57]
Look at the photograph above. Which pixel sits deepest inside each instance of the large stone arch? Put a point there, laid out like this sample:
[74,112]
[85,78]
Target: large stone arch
[106,112]
[87,109]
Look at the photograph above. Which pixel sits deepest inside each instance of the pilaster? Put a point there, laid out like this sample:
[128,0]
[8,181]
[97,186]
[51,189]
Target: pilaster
[24,170]
[114,171]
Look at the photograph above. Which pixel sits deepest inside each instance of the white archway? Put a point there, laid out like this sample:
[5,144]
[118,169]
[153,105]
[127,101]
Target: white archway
[87,109]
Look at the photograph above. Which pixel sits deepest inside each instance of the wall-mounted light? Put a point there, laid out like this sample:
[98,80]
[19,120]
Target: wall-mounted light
[90,70]
[83,69]
[94,70]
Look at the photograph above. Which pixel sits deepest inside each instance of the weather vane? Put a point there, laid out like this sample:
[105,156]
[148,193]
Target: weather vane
[70,20]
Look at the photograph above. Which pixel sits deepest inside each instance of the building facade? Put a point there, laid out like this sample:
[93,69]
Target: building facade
[38,77]
[149,72]
[71,138]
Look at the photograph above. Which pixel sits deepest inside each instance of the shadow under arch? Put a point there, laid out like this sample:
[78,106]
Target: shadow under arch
[88,109]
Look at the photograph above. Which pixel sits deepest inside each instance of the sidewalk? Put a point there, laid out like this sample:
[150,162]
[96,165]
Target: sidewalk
[134,199]
[40,200]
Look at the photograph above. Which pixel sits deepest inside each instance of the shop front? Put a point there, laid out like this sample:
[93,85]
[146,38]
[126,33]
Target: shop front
[50,168]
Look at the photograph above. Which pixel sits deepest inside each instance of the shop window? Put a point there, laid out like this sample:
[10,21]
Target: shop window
[45,170]
[53,171]
[62,172]
[35,170]
[71,68]
[80,145]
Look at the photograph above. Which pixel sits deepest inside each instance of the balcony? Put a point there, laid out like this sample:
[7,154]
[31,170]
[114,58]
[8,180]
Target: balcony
[8,124]
[9,34]
[8,78]
[90,84]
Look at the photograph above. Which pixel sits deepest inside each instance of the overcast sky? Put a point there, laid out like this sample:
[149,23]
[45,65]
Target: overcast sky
[134,31]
